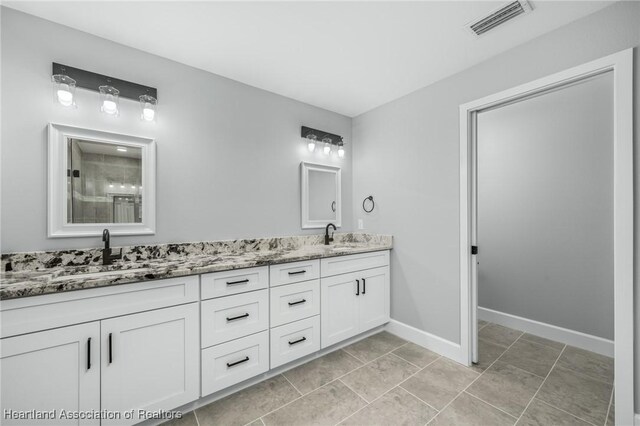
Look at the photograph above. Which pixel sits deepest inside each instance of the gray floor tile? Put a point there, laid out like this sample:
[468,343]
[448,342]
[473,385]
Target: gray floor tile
[499,335]
[577,394]
[320,371]
[187,419]
[482,323]
[248,404]
[397,407]
[532,357]
[542,341]
[588,363]
[541,414]
[374,346]
[469,411]
[416,354]
[325,406]
[506,387]
[487,353]
[256,423]
[440,382]
[379,376]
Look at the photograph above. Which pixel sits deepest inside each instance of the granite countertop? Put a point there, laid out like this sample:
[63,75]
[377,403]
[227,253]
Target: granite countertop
[37,273]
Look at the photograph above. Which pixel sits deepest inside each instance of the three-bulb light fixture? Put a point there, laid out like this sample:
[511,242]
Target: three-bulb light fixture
[327,142]
[65,79]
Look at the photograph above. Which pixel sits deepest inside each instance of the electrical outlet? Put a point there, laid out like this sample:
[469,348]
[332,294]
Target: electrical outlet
[360,224]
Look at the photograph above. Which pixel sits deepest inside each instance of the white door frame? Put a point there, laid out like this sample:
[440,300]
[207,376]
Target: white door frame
[621,64]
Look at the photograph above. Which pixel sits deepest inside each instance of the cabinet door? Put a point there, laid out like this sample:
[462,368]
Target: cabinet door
[150,361]
[339,308]
[373,301]
[52,372]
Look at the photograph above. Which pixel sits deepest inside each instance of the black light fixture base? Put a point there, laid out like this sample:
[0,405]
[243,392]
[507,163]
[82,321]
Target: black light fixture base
[320,135]
[91,81]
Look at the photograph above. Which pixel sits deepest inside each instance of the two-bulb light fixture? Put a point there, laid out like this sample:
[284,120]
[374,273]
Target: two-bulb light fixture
[327,142]
[65,79]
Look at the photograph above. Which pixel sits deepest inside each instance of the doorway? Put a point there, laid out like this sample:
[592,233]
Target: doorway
[618,68]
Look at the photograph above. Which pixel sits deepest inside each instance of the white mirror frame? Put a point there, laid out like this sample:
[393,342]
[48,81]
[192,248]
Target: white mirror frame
[57,225]
[305,168]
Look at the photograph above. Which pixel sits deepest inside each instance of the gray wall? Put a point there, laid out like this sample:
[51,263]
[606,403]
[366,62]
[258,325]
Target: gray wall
[545,208]
[228,154]
[407,156]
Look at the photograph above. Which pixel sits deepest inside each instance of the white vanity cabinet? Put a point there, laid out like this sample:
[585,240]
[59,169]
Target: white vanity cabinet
[355,293]
[51,370]
[155,346]
[120,360]
[295,309]
[234,326]
[150,361]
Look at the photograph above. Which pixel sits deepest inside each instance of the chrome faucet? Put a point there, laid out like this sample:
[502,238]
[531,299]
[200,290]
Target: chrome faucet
[107,256]
[328,239]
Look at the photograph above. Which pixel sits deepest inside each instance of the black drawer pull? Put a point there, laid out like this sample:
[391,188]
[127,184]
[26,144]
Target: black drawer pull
[238,317]
[297,272]
[110,349]
[298,302]
[89,353]
[302,339]
[364,286]
[232,364]
[358,287]
[246,280]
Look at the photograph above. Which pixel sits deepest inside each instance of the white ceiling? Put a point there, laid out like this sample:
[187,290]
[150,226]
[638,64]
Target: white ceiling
[347,57]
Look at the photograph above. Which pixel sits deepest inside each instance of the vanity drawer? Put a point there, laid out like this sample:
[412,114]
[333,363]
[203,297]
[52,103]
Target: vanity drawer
[232,362]
[293,302]
[231,317]
[292,341]
[294,272]
[226,283]
[355,262]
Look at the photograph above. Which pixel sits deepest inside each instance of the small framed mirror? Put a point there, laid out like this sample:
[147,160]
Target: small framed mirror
[100,180]
[321,195]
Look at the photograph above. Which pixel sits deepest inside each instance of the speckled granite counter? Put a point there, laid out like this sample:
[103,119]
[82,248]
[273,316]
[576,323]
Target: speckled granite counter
[36,273]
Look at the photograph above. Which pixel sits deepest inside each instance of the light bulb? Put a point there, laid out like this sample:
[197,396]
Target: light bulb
[121,149]
[341,152]
[311,145]
[109,105]
[326,149]
[122,186]
[65,97]
[148,113]
[133,187]
[110,185]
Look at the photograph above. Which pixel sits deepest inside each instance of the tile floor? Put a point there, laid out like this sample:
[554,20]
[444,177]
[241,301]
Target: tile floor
[383,380]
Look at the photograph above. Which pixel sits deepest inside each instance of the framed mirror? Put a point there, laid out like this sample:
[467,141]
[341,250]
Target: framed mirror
[321,195]
[100,180]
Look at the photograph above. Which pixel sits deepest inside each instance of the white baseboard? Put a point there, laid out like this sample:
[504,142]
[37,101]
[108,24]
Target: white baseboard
[636,421]
[548,331]
[432,342]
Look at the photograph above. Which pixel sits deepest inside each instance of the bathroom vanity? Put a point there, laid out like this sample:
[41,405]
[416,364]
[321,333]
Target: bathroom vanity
[185,325]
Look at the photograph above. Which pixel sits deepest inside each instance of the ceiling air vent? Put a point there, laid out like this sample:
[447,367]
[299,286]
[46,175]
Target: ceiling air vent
[499,16]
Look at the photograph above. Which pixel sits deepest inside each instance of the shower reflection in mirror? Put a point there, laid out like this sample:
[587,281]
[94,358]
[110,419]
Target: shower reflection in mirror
[105,183]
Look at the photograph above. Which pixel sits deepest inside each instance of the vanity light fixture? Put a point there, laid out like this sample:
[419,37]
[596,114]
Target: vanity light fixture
[329,142]
[65,80]
[109,98]
[64,90]
[311,142]
[326,149]
[148,107]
